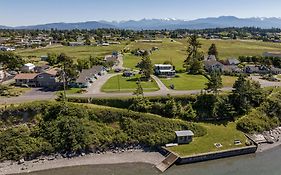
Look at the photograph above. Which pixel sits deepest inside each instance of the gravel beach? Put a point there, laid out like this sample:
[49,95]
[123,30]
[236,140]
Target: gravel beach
[153,158]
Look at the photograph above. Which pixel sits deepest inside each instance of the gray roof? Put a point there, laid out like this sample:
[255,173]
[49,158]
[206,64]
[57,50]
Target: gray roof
[86,74]
[233,61]
[184,133]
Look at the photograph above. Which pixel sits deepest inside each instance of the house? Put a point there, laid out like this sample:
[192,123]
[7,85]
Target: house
[73,44]
[28,67]
[232,69]
[164,70]
[213,65]
[41,69]
[87,76]
[251,69]
[232,61]
[111,59]
[272,54]
[26,79]
[4,48]
[184,137]
[46,79]
[275,70]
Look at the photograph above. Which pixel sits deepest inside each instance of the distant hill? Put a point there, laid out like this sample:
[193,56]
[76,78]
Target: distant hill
[69,26]
[146,24]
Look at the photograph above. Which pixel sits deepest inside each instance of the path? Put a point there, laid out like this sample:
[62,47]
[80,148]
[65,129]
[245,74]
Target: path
[95,88]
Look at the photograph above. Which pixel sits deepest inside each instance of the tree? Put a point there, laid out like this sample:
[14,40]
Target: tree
[83,64]
[246,94]
[88,42]
[139,90]
[193,62]
[52,59]
[215,82]
[69,69]
[10,61]
[146,67]
[213,50]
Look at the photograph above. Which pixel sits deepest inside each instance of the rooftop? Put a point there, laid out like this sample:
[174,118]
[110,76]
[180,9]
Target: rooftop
[184,133]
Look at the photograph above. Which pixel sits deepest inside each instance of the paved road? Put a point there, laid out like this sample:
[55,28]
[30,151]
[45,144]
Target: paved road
[94,91]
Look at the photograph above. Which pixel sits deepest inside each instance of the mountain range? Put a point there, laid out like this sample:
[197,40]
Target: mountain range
[157,24]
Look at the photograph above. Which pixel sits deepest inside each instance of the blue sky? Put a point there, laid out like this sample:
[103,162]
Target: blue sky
[27,12]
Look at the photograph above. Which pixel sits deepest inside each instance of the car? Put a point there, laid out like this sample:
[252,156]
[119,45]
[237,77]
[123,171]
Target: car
[117,70]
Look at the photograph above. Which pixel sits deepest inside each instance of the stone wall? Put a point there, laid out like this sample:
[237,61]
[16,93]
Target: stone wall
[217,155]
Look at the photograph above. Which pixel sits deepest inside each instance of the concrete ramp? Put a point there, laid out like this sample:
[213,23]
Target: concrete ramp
[167,162]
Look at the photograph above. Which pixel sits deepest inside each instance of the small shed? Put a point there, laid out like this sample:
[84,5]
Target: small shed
[184,137]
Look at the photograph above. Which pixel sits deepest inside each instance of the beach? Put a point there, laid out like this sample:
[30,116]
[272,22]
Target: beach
[136,156]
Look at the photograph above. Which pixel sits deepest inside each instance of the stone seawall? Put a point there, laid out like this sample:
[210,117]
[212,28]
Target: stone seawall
[217,155]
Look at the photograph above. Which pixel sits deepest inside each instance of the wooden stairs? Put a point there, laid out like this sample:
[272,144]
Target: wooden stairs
[167,162]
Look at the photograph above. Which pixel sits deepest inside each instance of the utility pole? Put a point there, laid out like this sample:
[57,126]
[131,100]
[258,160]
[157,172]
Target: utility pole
[118,82]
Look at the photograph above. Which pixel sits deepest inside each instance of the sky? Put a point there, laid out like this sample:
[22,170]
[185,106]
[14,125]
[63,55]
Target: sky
[30,12]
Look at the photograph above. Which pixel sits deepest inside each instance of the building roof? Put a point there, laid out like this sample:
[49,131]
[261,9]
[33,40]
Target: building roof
[184,133]
[25,76]
[85,74]
[233,61]
[163,65]
[29,65]
[209,63]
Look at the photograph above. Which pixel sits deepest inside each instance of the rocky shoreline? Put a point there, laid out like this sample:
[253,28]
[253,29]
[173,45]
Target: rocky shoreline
[59,161]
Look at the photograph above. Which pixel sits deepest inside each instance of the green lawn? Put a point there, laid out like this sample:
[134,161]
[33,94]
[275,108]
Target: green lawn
[127,84]
[186,82]
[228,81]
[222,134]
[71,91]
[194,82]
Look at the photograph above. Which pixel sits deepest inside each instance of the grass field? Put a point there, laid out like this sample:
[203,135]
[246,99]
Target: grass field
[194,82]
[223,134]
[127,84]
[75,52]
[176,51]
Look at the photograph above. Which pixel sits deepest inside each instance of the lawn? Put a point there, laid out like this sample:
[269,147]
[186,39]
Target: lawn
[194,82]
[71,91]
[127,84]
[186,82]
[216,133]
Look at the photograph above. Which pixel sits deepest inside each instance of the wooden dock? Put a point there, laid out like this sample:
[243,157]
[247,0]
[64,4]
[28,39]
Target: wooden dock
[167,162]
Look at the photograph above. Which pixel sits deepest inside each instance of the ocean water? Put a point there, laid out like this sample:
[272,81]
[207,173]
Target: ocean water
[266,163]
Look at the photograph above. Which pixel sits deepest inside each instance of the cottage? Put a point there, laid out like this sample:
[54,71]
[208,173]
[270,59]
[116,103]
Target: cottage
[164,70]
[88,76]
[184,137]
[28,79]
[29,67]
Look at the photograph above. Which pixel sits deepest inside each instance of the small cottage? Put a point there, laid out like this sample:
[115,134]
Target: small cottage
[184,137]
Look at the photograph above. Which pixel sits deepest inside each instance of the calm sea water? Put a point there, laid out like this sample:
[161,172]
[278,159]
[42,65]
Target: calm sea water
[267,163]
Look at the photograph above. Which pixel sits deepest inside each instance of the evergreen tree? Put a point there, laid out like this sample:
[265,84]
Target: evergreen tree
[146,67]
[213,50]
[215,82]
[139,90]
[193,62]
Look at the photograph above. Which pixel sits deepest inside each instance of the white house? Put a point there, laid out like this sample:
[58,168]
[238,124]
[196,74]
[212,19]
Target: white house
[28,67]
[164,70]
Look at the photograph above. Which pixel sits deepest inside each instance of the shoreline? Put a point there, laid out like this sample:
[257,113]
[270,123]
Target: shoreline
[136,156]
[107,158]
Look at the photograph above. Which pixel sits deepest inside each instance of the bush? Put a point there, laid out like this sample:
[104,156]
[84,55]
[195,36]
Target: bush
[58,127]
